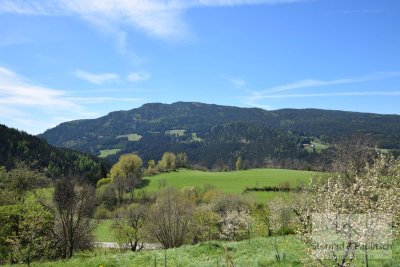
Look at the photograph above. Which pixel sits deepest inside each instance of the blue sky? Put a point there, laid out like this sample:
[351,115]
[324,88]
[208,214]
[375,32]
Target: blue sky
[72,59]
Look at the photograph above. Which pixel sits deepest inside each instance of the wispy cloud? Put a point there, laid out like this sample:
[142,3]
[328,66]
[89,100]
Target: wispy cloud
[22,102]
[358,11]
[99,100]
[302,89]
[96,78]
[237,82]
[16,90]
[159,18]
[138,76]
[353,93]
[311,83]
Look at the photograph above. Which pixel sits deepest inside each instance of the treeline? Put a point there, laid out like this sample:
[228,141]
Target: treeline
[16,146]
[42,224]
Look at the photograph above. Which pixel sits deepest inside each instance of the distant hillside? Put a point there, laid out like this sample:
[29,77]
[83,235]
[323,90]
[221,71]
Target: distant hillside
[214,135]
[20,146]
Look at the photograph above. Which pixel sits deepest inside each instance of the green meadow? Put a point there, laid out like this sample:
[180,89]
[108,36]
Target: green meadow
[131,137]
[234,182]
[107,152]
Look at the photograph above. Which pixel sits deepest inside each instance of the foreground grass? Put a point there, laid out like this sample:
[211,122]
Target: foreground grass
[259,252]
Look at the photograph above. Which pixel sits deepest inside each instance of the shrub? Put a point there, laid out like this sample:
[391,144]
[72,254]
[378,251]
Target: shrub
[168,219]
[102,213]
[103,181]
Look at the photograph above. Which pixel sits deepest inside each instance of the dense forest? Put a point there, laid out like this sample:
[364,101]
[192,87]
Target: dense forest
[17,146]
[215,136]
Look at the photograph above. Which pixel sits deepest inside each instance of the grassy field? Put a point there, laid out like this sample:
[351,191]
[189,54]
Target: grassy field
[175,132]
[232,182]
[106,152]
[131,137]
[259,252]
[195,138]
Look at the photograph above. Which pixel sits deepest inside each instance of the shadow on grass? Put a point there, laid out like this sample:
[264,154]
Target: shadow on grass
[143,183]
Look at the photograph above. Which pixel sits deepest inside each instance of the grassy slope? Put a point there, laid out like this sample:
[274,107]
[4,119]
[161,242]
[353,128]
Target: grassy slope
[260,252]
[131,137]
[232,182]
[107,152]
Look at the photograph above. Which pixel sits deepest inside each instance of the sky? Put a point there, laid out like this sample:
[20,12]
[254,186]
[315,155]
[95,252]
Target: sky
[62,60]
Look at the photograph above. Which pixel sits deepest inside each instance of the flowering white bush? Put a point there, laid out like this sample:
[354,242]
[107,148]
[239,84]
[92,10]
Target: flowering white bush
[373,191]
[236,225]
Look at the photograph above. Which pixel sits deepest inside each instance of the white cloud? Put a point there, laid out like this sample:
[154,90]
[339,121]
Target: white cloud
[98,78]
[35,108]
[311,83]
[99,100]
[351,93]
[159,18]
[301,87]
[15,90]
[138,76]
[239,83]
[358,11]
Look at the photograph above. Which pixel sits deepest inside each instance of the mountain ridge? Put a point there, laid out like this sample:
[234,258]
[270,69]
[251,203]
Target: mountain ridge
[192,126]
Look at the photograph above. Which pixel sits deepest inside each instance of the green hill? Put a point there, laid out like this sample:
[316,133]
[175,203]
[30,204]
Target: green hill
[214,136]
[20,146]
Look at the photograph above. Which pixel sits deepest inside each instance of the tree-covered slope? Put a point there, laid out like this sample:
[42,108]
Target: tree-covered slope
[37,153]
[213,134]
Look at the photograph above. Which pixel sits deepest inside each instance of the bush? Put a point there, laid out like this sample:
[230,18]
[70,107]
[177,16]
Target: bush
[168,219]
[235,225]
[102,213]
[103,181]
[106,195]
[212,195]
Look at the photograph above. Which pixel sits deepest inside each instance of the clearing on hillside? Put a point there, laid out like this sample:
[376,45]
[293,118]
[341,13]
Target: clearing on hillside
[131,137]
[107,152]
[175,132]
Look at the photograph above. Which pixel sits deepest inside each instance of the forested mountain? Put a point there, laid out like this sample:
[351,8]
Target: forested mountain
[17,146]
[214,136]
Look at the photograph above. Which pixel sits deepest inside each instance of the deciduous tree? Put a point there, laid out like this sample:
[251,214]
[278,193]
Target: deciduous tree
[73,205]
[128,227]
[168,219]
